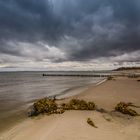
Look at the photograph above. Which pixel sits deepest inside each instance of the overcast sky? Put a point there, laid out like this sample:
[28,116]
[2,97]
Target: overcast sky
[69,34]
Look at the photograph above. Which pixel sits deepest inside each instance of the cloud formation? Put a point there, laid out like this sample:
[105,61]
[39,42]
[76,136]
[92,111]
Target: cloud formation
[59,32]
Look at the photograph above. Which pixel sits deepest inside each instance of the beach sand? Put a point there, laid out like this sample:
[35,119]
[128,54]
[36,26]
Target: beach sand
[72,125]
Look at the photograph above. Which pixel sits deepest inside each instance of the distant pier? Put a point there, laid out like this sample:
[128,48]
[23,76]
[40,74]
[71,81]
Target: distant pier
[79,75]
[132,75]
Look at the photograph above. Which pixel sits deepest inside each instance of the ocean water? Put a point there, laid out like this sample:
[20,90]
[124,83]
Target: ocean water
[18,91]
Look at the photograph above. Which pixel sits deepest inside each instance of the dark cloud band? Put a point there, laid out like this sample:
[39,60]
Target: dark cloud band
[83,30]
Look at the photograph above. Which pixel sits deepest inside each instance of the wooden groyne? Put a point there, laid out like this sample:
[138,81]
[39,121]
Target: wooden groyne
[131,75]
[79,75]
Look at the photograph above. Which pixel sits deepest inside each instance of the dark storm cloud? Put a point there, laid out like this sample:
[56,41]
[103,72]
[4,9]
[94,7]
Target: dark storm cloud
[27,20]
[105,28]
[83,29]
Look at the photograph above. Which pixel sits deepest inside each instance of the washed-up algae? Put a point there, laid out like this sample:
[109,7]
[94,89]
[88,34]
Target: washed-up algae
[125,109]
[90,122]
[49,106]
[76,104]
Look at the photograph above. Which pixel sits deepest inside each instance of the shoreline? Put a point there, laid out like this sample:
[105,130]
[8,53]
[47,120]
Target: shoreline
[78,90]
[72,124]
[69,94]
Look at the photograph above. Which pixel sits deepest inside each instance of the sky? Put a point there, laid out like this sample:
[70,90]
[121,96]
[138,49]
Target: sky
[69,34]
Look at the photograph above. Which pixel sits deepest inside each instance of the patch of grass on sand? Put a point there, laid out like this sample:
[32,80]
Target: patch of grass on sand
[125,109]
[90,122]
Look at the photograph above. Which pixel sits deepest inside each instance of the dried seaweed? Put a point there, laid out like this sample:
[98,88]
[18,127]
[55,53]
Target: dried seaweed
[125,109]
[90,122]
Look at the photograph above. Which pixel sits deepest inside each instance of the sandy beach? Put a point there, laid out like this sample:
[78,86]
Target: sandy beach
[72,125]
[69,70]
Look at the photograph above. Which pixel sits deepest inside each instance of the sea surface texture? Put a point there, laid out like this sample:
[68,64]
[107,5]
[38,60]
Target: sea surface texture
[18,90]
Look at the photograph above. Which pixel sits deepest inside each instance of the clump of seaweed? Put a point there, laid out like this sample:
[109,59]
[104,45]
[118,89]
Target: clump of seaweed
[49,106]
[76,104]
[110,78]
[125,109]
[65,106]
[44,106]
[60,111]
[90,122]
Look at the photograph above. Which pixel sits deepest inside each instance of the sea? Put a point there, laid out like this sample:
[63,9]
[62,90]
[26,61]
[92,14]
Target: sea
[19,90]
